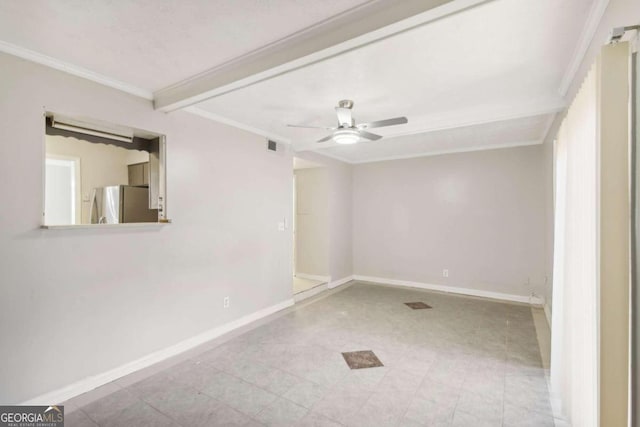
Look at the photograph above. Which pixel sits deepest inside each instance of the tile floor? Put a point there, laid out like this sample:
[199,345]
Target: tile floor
[465,362]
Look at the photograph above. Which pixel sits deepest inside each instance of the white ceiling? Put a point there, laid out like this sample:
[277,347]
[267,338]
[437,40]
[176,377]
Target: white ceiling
[151,43]
[501,60]
[485,77]
[507,133]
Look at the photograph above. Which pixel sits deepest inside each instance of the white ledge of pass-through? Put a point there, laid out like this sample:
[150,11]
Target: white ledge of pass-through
[106,226]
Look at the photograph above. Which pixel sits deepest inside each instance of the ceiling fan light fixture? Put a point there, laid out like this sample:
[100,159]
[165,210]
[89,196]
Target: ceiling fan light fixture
[347,132]
[346,136]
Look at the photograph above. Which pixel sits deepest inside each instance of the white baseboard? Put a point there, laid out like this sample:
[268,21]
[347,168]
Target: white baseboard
[556,408]
[90,383]
[547,313]
[300,296]
[453,289]
[341,282]
[326,279]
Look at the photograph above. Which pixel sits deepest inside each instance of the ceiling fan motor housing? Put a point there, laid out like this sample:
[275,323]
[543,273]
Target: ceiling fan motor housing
[345,103]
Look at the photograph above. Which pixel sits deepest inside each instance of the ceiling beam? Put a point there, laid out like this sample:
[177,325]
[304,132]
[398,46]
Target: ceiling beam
[351,30]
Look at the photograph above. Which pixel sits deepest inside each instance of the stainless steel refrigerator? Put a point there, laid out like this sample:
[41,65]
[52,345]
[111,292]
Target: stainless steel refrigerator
[121,204]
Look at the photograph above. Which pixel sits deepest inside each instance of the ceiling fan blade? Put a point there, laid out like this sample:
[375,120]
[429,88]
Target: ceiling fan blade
[311,127]
[344,116]
[383,123]
[325,139]
[369,136]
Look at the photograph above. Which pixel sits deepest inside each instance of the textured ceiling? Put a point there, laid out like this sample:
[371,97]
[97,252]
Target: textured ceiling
[153,44]
[504,59]
[524,131]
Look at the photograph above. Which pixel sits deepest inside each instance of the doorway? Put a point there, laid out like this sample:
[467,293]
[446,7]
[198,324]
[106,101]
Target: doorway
[62,190]
[310,228]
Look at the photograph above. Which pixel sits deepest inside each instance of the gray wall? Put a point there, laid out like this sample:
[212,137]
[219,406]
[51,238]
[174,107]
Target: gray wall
[77,303]
[102,298]
[340,220]
[312,221]
[481,215]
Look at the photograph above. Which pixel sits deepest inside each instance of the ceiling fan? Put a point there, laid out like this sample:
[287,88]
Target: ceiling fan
[347,132]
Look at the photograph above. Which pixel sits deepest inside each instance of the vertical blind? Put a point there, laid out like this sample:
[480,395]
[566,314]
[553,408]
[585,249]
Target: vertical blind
[575,294]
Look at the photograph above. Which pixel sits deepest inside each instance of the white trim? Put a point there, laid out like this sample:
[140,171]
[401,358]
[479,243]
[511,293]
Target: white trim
[482,117]
[452,151]
[588,31]
[329,155]
[301,296]
[341,282]
[106,226]
[532,300]
[325,279]
[547,313]
[427,154]
[215,117]
[547,127]
[556,408]
[75,70]
[95,381]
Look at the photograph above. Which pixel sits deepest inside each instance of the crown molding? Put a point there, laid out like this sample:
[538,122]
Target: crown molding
[586,36]
[484,116]
[72,69]
[331,156]
[215,117]
[549,127]
[436,153]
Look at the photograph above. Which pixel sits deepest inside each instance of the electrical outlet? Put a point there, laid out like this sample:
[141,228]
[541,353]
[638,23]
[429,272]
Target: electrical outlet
[445,273]
[225,303]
